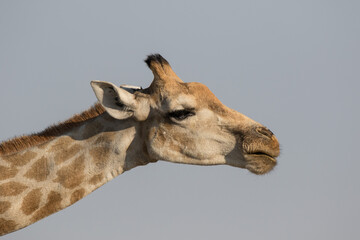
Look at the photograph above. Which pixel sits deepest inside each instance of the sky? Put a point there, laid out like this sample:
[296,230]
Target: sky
[293,66]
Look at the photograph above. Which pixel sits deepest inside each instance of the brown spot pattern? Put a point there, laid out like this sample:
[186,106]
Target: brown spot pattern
[7,226]
[66,154]
[20,159]
[60,143]
[40,170]
[4,206]
[100,156]
[72,175]
[31,201]
[77,195]
[52,205]
[7,172]
[96,179]
[105,138]
[11,189]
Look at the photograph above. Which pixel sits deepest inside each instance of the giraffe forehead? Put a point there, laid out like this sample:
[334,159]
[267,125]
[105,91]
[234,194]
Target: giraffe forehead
[200,91]
[181,101]
[191,95]
[205,98]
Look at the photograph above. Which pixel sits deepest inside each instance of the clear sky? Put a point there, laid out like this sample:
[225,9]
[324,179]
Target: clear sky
[292,65]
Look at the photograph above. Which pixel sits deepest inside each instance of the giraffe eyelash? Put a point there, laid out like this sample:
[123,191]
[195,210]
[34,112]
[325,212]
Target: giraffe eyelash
[181,114]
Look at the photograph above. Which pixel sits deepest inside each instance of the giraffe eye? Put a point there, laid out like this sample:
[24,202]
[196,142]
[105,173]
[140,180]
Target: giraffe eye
[181,114]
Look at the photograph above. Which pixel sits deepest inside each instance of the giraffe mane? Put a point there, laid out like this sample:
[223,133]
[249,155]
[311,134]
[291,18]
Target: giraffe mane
[22,142]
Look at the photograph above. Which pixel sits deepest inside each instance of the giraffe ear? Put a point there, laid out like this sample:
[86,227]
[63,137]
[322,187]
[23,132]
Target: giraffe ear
[120,102]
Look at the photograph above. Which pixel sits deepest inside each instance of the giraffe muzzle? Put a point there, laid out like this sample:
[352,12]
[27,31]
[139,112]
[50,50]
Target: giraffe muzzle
[261,148]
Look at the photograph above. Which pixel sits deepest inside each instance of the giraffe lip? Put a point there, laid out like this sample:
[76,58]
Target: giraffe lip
[259,163]
[260,155]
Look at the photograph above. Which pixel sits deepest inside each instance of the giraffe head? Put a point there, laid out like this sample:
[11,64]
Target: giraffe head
[185,123]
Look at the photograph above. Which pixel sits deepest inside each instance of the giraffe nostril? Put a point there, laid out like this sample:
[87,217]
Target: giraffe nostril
[264,131]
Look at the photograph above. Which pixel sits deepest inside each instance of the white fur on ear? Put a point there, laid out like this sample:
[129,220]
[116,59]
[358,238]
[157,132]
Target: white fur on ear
[130,88]
[118,102]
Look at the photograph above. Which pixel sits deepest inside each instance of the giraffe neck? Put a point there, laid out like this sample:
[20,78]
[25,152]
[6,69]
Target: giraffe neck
[44,179]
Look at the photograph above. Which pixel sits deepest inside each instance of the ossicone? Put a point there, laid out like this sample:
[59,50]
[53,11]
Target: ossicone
[161,68]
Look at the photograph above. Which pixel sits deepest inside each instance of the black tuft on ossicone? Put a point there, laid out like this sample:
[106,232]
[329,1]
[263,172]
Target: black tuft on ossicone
[156,58]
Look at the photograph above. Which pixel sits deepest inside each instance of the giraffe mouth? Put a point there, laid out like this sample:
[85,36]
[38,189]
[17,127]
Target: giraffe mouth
[261,152]
[262,155]
[259,162]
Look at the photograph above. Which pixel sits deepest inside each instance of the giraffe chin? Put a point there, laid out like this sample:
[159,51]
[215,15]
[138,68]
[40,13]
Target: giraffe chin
[259,163]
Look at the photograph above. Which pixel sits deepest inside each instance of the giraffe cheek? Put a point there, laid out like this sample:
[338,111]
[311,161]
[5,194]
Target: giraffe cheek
[155,140]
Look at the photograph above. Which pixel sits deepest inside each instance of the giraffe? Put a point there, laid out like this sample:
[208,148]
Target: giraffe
[170,120]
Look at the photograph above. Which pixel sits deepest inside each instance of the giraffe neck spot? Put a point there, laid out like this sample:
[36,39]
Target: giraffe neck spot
[77,195]
[31,201]
[72,175]
[4,206]
[19,159]
[12,188]
[52,205]
[8,172]
[40,170]
[7,226]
